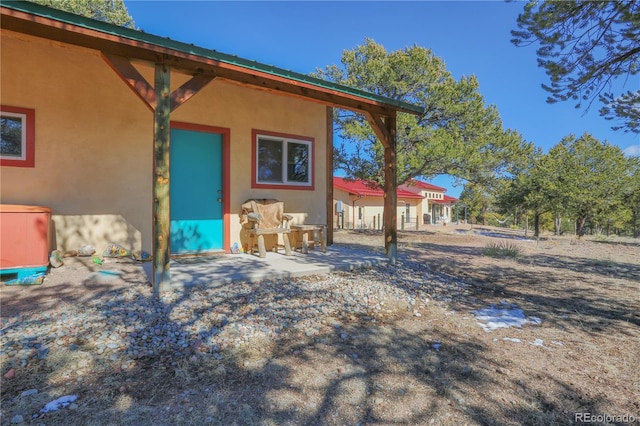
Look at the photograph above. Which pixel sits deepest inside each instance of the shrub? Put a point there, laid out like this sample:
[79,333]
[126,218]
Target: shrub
[502,249]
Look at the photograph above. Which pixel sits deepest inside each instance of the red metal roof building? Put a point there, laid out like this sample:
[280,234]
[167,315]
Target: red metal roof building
[358,204]
[362,188]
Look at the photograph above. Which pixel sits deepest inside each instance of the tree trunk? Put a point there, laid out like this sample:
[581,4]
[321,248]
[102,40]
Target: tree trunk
[580,226]
[484,215]
[558,223]
[536,225]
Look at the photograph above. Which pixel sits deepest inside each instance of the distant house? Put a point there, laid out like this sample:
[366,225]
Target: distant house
[359,205]
[436,205]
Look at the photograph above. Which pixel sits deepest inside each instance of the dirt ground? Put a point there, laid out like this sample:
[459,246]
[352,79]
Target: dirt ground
[426,364]
[77,282]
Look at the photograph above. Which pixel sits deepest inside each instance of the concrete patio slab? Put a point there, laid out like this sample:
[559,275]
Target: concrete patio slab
[225,269]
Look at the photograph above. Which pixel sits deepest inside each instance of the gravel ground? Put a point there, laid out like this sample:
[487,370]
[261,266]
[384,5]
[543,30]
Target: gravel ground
[128,323]
[386,345]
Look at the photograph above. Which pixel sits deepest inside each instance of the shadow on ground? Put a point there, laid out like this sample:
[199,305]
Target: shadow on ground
[373,366]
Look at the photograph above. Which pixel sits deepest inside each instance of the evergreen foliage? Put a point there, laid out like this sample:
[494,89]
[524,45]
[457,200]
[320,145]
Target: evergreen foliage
[585,46]
[584,179]
[112,11]
[457,134]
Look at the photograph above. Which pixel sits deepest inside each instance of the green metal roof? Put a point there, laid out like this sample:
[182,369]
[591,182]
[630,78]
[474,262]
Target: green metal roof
[141,36]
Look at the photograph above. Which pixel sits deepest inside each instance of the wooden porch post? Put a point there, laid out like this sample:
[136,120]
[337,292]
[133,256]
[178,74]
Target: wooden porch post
[162,102]
[161,193]
[390,192]
[329,175]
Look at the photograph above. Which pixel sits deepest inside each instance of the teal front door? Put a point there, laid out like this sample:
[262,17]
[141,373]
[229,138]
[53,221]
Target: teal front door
[196,192]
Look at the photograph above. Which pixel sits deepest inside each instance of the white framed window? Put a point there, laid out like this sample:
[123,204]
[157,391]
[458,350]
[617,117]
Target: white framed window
[17,139]
[282,161]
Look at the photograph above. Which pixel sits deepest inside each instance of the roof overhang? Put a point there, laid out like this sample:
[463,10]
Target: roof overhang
[373,192]
[40,21]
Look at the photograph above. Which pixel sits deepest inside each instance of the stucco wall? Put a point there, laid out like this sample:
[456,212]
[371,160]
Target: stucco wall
[228,105]
[94,143]
[372,211]
[92,162]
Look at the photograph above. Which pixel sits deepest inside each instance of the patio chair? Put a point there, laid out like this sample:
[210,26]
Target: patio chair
[265,217]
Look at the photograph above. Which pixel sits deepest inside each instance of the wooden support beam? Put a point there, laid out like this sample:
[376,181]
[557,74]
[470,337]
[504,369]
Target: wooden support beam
[329,175]
[130,75]
[385,130]
[188,89]
[162,102]
[390,192]
[161,179]
[379,127]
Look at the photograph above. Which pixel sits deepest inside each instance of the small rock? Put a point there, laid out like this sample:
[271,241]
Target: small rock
[86,250]
[55,259]
[10,374]
[17,419]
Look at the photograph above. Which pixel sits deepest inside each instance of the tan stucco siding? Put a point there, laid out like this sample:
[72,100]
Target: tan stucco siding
[94,143]
[92,149]
[368,212]
[345,219]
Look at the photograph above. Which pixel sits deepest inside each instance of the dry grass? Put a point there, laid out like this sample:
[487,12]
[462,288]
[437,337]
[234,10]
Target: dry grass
[436,368]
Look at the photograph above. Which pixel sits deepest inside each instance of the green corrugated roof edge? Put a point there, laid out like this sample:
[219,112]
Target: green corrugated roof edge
[108,28]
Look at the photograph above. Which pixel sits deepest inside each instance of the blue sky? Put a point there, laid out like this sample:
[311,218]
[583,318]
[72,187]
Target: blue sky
[472,37]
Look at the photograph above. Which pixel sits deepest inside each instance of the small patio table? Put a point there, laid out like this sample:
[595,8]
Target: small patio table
[311,234]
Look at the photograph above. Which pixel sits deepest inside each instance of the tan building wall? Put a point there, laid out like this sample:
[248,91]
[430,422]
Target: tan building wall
[367,212]
[438,212]
[343,220]
[94,143]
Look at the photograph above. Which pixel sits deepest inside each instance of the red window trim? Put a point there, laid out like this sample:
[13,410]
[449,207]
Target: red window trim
[254,154]
[30,128]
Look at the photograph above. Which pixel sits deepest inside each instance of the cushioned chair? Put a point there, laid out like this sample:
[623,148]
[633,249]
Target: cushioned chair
[265,217]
